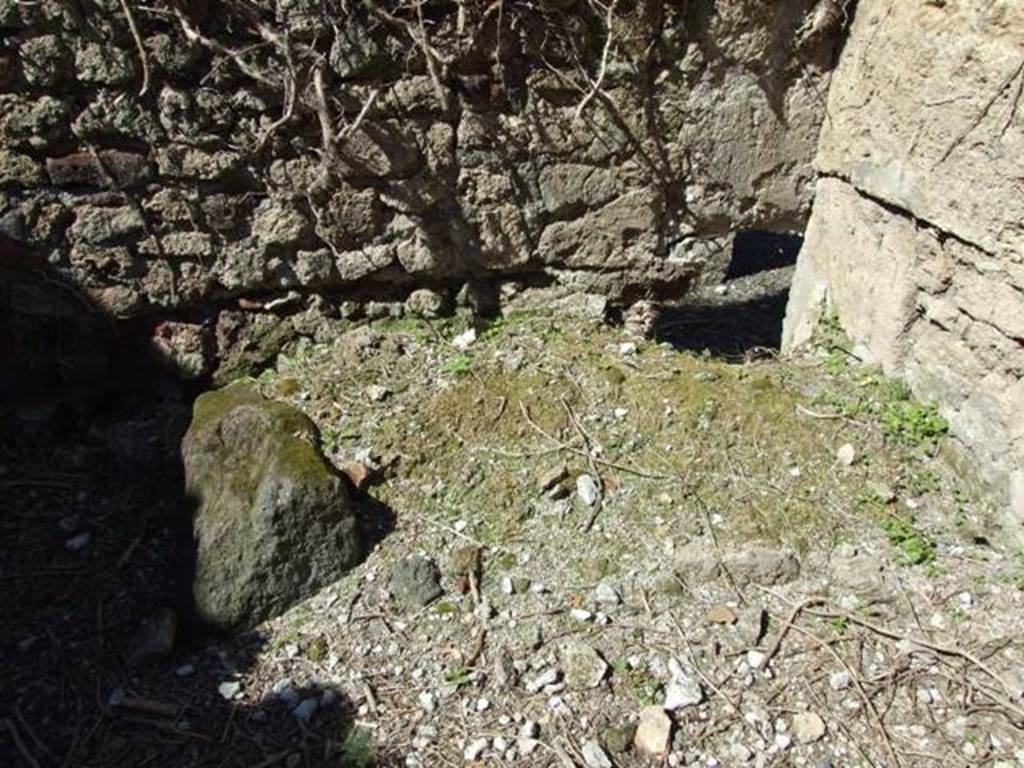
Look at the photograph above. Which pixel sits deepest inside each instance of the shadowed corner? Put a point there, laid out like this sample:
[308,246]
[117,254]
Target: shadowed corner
[743,316]
[96,552]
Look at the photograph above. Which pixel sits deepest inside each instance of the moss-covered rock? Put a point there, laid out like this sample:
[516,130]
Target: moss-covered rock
[273,521]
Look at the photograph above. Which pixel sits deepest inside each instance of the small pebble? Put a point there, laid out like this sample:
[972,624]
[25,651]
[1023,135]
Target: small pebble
[475,749]
[846,455]
[306,708]
[595,756]
[77,543]
[581,614]
[588,490]
[755,659]
[229,689]
[605,594]
[839,681]
[546,678]
[808,727]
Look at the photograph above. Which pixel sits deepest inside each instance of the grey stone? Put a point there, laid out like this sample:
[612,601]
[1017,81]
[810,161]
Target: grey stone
[544,679]
[108,116]
[172,54]
[584,667]
[569,187]
[114,169]
[684,688]
[35,122]
[426,303]
[380,150]
[588,490]
[415,580]
[931,183]
[351,217]
[750,565]
[98,226]
[475,749]
[606,594]
[594,755]
[306,709]
[808,727]
[20,169]
[281,223]
[273,522]
[45,61]
[198,164]
[103,64]
[229,689]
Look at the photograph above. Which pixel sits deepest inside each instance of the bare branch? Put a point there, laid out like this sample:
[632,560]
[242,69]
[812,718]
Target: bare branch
[143,59]
[604,61]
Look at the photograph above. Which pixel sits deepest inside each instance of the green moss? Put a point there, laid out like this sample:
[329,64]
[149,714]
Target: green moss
[218,403]
[290,443]
[317,649]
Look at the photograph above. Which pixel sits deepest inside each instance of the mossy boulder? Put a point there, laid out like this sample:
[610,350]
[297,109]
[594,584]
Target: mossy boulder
[273,521]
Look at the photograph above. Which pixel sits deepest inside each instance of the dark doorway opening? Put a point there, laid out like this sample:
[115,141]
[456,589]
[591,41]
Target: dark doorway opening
[741,316]
[756,250]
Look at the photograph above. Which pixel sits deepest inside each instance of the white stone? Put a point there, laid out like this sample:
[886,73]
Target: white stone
[546,678]
[605,594]
[427,701]
[475,749]
[683,690]
[588,490]
[557,705]
[846,455]
[527,746]
[594,755]
[808,727]
[653,733]
[741,753]
[529,729]
[839,681]
[465,339]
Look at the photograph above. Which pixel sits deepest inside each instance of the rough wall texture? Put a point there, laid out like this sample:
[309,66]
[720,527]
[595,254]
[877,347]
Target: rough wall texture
[917,234]
[286,151]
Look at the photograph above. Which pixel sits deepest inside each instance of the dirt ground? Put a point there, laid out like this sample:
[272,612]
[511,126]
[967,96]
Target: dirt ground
[769,557]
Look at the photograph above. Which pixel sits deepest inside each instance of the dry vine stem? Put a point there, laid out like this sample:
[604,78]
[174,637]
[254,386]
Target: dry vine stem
[596,87]
[143,59]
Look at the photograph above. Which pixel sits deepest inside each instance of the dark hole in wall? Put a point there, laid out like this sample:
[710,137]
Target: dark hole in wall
[756,250]
[741,317]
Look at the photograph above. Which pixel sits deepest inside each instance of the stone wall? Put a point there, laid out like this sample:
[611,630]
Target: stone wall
[308,158]
[917,235]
